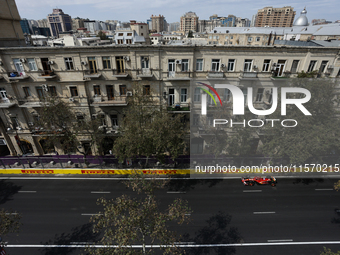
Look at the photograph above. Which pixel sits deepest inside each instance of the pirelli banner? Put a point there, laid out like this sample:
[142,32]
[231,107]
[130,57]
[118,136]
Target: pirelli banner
[94,171]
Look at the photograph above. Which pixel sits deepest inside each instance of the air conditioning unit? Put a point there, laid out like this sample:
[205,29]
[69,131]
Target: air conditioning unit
[129,94]
[178,61]
[255,66]
[222,65]
[71,99]
[84,63]
[45,87]
[30,124]
[22,60]
[127,58]
[50,62]
[274,64]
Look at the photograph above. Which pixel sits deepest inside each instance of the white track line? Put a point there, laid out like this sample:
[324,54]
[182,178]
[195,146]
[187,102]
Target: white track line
[180,245]
[90,214]
[27,191]
[283,240]
[176,192]
[264,212]
[255,190]
[323,189]
[100,192]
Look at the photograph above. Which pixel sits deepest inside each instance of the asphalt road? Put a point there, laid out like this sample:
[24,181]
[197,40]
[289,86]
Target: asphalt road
[295,217]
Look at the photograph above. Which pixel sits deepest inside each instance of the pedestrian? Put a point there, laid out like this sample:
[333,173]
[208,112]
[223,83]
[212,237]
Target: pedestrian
[110,151]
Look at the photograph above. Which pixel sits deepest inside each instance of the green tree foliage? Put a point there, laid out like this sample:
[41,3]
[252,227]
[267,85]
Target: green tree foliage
[149,130]
[9,223]
[127,220]
[62,126]
[315,136]
[327,251]
[190,34]
[102,35]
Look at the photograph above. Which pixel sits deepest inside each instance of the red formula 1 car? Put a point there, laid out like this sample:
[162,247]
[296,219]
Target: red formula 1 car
[247,181]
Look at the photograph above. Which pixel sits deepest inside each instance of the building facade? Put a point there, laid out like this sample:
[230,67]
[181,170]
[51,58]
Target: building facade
[158,23]
[97,81]
[275,17]
[189,22]
[59,22]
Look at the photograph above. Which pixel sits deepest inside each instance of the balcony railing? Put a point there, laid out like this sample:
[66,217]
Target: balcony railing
[7,103]
[17,76]
[144,73]
[109,101]
[213,75]
[120,73]
[47,74]
[248,75]
[92,74]
[183,107]
[173,76]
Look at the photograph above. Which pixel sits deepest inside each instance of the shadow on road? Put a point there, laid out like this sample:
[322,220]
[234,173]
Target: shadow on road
[79,235]
[7,189]
[307,181]
[217,231]
[185,185]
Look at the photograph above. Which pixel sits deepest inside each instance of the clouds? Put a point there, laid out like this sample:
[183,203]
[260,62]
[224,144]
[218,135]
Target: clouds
[172,10]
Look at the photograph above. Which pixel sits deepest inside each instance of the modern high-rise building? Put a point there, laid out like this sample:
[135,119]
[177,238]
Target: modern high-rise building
[275,17]
[59,22]
[189,21]
[158,23]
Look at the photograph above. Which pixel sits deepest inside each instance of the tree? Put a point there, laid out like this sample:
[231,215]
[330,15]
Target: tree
[190,34]
[149,130]
[102,35]
[126,220]
[9,223]
[315,136]
[61,126]
[329,252]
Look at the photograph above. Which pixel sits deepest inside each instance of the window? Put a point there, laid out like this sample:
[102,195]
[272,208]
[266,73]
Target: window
[197,95]
[323,66]
[18,65]
[266,65]
[96,90]
[294,66]
[129,34]
[32,65]
[311,66]
[196,120]
[69,63]
[128,41]
[92,64]
[120,65]
[73,91]
[250,39]
[110,92]
[227,95]
[27,91]
[231,65]
[122,90]
[184,95]
[247,65]
[52,90]
[106,63]
[215,65]
[146,90]
[15,122]
[258,39]
[231,37]
[120,34]
[3,93]
[114,120]
[259,95]
[185,65]
[40,92]
[120,41]
[199,64]
[145,62]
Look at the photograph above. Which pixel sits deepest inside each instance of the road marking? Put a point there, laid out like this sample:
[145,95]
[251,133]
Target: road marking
[27,191]
[263,212]
[283,240]
[180,245]
[91,214]
[100,192]
[176,192]
[12,213]
[323,189]
[255,190]
[187,214]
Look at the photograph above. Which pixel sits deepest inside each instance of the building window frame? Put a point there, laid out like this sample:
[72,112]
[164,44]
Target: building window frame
[32,64]
[73,91]
[199,65]
[215,65]
[231,65]
[106,62]
[69,63]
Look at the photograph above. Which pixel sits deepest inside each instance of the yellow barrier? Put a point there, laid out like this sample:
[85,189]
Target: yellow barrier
[93,171]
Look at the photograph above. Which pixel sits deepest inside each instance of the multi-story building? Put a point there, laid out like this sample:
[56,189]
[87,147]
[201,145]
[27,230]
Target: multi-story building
[189,22]
[275,17]
[25,27]
[10,30]
[77,23]
[159,23]
[138,33]
[96,81]
[59,22]
[242,22]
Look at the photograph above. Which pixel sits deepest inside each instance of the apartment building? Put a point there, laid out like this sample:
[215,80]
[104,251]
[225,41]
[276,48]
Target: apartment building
[275,17]
[189,22]
[59,22]
[96,81]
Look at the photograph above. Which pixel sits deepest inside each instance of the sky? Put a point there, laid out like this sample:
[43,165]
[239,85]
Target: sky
[172,10]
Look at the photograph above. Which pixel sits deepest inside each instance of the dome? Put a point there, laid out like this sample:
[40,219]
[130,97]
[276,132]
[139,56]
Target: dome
[302,20]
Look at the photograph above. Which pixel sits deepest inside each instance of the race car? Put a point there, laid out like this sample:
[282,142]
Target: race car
[247,181]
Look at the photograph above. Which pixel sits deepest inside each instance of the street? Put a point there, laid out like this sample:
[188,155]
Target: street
[295,217]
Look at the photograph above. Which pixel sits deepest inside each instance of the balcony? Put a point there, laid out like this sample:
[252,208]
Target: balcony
[91,75]
[178,76]
[17,76]
[144,73]
[215,75]
[179,108]
[120,73]
[248,76]
[105,101]
[47,74]
[7,103]
[30,102]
